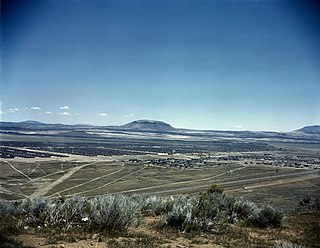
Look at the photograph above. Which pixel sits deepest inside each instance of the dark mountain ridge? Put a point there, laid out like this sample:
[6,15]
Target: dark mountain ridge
[148,125]
[310,129]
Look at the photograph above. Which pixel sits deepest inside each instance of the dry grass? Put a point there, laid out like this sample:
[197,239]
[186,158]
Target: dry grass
[297,229]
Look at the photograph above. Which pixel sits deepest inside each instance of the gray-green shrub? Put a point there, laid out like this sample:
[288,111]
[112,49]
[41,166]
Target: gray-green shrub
[154,204]
[286,244]
[8,208]
[243,208]
[180,216]
[70,212]
[116,212]
[210,211]
[266,216]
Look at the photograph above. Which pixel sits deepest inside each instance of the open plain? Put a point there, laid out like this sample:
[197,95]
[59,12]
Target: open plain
[259,176]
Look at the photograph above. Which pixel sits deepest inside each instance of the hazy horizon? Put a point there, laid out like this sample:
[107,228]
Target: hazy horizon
[180,127]
[210,65]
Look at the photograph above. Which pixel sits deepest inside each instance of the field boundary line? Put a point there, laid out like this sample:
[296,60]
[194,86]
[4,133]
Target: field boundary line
[90,181]
[220,184]
[109,183]
[19,171]
[45,190]
[48,175]
[277,182]
[177,183]
[310,183]
[9,192]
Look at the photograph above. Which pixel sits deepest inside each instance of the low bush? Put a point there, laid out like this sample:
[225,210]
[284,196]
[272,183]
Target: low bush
[243,208]
[210,211]
[9,227]
[308,205]
[266,216]
[116,212]
[183,216]
[286,244]
[213,205]
[155,205]
[7,208]
[105,212]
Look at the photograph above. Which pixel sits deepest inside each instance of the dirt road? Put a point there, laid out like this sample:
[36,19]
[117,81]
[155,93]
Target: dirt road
[109,183]
[90,181]
[44,190]
[178,183]
[19,171]
[259,181]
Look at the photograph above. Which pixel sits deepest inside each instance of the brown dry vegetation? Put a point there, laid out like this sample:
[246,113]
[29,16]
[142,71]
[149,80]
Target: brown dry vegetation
[300,229]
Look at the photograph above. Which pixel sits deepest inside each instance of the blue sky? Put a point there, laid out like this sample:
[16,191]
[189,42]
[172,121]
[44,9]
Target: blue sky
[220,64]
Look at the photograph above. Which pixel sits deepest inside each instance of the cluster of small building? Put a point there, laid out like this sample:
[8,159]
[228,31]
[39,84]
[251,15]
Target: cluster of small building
[278,160]
[169,154]
[177,163]
[275,159]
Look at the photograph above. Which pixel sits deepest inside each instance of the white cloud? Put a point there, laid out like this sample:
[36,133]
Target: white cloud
[64,113]
[64,107]
[128,116]
[35,108]
[48,113]
[103,114]
[238,127]
[76,114]
[13,110]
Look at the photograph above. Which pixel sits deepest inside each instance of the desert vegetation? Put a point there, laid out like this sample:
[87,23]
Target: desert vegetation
[212,212]
[207,212]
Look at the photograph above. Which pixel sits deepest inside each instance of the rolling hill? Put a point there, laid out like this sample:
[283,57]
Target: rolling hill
[148,125]
[310,130]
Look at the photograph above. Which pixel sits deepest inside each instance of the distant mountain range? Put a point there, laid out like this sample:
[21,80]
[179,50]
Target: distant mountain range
[138,125]
[153,129]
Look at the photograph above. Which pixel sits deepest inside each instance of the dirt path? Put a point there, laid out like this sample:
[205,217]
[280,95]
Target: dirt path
[38,166]
[261,180]
[279,182]
[9,192]
[44,190]
[109,183]
[251,180]
[51,174]
[19,171]
[90,181]
[242,181]
[177,183]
